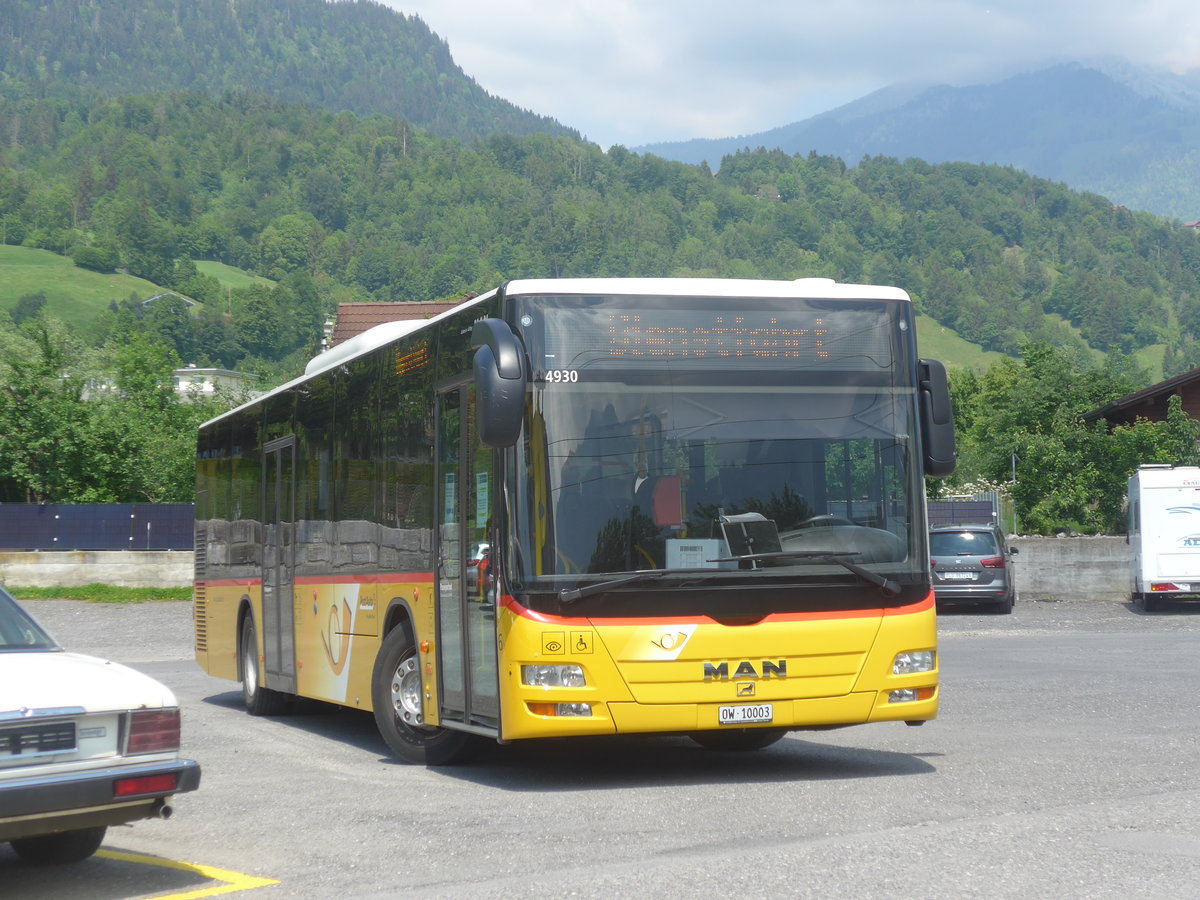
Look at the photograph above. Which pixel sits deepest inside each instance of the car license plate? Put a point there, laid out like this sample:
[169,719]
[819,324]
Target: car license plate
[958,576]
[744,715]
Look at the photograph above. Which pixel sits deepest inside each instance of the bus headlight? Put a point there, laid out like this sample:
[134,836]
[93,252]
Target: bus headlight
[913,661]
[553,676]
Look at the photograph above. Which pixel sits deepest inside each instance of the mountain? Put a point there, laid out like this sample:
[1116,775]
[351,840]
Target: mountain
[358,56]
[1131,134]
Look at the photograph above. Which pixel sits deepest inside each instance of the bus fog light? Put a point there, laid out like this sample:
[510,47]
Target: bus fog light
[910,695]
[913,661]
[553,676]
[574,709]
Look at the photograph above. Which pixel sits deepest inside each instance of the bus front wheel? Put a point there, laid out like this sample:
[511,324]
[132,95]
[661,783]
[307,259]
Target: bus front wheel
[397,696]
[736,739]
[258,700]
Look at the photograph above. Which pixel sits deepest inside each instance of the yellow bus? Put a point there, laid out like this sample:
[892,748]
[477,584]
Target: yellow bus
[587,507]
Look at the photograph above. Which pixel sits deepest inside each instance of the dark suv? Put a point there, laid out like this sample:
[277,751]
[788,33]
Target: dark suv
[972,564]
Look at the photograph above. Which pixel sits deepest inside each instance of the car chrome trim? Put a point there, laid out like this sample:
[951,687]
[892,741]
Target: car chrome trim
[24,713]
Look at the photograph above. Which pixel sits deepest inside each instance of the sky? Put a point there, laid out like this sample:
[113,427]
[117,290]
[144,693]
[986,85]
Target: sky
[636,72]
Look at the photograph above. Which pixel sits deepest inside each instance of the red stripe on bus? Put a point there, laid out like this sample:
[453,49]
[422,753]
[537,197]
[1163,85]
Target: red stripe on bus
[919,606]
[389,578]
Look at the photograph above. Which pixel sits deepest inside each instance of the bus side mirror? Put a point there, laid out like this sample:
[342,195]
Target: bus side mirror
[499,382]
[937,419]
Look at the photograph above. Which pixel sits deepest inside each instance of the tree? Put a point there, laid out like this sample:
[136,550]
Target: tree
[46,450]
[81,427]
[168,320]
[28,306]
[148,429]
[1070,475]
[257,320]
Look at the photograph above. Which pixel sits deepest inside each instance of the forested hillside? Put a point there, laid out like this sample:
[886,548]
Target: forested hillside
[335,205]
[359,56]
[367,208]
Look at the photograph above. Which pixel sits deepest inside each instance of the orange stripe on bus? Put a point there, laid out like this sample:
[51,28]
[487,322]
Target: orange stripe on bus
[510,603]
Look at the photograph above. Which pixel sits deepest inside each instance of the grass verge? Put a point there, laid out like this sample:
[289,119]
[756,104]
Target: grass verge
[102,593]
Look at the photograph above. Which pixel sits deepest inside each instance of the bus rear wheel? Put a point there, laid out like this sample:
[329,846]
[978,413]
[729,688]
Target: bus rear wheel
[738,739]
[397,695]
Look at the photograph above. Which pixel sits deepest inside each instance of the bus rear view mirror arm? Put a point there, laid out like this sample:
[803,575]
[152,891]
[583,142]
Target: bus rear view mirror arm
[500,382]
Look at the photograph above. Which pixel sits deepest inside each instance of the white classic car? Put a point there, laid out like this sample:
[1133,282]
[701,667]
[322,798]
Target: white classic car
[84,744]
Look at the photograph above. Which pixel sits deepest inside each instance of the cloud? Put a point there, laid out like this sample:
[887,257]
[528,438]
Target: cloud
[637,72]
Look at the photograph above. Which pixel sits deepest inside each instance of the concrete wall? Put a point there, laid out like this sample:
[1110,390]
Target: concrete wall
[1069,568]
[122,568]
[1073,568]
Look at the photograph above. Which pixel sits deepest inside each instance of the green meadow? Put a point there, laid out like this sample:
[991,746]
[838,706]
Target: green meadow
[75,295]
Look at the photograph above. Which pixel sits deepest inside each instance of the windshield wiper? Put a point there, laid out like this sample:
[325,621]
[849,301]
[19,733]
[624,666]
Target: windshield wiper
[889,587]
[570,595]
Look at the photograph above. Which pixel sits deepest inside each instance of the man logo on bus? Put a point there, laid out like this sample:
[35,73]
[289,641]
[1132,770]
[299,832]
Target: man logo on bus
[745,669]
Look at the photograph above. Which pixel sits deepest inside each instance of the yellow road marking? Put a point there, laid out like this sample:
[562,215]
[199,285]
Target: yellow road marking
[234,881]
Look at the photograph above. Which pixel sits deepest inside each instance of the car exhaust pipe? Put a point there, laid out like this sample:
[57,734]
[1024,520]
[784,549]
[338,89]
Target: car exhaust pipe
[161,810]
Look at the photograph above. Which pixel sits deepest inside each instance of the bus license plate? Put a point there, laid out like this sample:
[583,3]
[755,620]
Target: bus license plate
[744,715]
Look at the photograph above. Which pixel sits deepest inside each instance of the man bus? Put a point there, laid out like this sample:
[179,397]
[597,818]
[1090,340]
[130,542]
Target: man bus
[586,507]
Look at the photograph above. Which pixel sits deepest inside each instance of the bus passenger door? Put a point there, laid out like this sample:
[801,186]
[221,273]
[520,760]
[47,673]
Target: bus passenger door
[279,489]
[466,609]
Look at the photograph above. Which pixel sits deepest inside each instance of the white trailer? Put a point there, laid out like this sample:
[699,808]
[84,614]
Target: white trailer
[1164,533]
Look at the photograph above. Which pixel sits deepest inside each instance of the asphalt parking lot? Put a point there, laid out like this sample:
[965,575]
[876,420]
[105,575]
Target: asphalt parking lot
[1062,765]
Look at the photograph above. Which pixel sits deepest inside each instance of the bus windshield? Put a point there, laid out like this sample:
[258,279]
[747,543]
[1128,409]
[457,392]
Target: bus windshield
[708,443]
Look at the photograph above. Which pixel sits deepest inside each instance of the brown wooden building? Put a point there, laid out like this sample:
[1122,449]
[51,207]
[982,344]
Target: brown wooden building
[1151,403]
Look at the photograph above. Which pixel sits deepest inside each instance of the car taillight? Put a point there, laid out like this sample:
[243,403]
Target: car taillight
[148,784]
[153,730]
[992,562]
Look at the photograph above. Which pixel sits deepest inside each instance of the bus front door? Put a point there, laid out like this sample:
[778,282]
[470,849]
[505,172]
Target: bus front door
[279,489]
[466,609]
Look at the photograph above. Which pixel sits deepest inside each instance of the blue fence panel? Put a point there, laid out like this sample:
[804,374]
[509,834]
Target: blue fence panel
[93,527]
[163,526]
[111,526]
[961,512]
[28,526]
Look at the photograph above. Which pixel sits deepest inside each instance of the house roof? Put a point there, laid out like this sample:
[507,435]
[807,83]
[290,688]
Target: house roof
[1145,396]
[355,318]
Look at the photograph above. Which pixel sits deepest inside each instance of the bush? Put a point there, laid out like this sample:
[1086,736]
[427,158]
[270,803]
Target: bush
[98,259]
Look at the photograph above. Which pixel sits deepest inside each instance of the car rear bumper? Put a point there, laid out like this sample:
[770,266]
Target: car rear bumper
[971,595]
[44,804]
